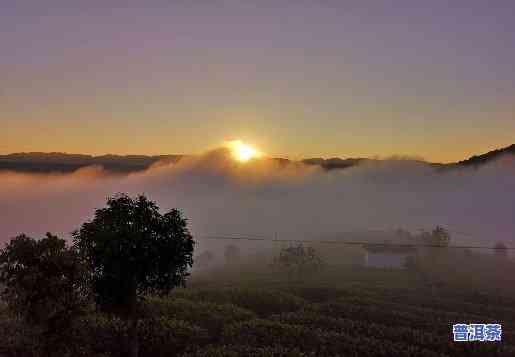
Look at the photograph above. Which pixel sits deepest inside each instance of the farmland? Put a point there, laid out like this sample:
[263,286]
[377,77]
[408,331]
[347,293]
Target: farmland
[340,311]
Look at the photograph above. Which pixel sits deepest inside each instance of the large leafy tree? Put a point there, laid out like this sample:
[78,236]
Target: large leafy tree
[43,284]
[132,250]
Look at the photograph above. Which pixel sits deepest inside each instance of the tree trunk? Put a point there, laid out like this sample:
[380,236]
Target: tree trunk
[133,343]
[132,324]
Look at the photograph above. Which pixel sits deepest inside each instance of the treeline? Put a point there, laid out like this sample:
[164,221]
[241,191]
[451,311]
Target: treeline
[127,251]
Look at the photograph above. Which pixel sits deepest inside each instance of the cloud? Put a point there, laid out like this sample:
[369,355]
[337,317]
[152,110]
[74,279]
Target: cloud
[267,197]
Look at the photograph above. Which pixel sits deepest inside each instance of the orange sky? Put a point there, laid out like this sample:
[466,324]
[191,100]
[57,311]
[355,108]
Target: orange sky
[294,79]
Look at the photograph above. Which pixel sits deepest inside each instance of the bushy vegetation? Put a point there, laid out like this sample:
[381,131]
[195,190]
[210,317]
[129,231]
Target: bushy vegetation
[111,289]
[263,302]
[306,321]
[128,250]
[314,339]
[209,315]
[246,350]
[43,286]
[298,261]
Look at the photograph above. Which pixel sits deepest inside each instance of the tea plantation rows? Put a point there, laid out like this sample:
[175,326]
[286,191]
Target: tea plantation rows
[285,321]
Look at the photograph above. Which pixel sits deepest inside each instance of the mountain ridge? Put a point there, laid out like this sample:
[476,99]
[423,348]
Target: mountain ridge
[49,162]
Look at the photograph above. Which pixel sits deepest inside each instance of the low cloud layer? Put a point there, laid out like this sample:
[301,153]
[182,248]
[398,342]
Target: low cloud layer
[221,196]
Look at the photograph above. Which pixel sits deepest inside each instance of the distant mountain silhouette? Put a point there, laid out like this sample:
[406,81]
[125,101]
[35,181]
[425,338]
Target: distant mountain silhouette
[335,162]
[61,162]
[490,156]
[39,162]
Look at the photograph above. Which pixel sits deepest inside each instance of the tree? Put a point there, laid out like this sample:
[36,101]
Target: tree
[436,254]
[411,263]
[440,237]
[232,254]
[298,260]
[132,250]
[501,250]
[403,234]
[205,259]
[437,239]
[44,285]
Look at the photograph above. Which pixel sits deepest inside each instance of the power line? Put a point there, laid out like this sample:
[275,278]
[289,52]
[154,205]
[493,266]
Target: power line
[361,243]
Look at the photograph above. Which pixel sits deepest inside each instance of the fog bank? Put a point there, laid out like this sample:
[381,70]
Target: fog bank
[221,196]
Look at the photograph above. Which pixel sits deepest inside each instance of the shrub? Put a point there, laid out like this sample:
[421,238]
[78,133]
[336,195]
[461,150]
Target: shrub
[18,339]
[243,350]
[262,302]
[208,315]
[43,285]
[298,261]
[271,333]
[104,334]
[365,329]
[316,294]
[168,337]
[260,332]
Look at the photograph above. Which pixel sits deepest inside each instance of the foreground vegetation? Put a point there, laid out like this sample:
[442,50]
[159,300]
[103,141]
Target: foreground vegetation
[117,292]
[269,315]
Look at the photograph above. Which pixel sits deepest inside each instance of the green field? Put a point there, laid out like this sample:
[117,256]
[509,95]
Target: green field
[340,311]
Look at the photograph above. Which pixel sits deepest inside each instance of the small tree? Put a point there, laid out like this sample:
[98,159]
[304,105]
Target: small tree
[440,237]
[43,284]
[232,254]
[501,250]
[411,263]
[298,260]
[403,234]
[437,240]
[131,250]
[205,259]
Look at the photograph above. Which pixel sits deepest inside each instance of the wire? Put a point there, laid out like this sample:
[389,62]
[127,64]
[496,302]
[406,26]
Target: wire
[363,243]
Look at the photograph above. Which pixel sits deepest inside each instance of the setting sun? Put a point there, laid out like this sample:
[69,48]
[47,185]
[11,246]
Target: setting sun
[242,152]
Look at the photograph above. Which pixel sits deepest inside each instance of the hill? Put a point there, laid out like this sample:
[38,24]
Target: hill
[490,156]
[39,162]
[61,162]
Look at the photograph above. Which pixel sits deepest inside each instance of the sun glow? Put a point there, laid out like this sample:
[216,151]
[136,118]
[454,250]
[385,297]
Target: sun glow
[242,152]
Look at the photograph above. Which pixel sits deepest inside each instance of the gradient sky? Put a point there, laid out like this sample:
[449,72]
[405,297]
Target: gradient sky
[432,79]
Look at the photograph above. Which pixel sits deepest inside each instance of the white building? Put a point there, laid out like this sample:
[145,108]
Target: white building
[388,257]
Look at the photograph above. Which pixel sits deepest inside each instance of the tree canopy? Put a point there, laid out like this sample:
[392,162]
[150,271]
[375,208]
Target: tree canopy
[501,250]
[43,284]
[439,237]
[132,249]
[298,260]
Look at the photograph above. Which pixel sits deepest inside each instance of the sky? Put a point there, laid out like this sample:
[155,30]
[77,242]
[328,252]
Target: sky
[426,79]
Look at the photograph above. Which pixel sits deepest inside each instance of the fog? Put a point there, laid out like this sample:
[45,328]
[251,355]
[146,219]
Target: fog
[221,196]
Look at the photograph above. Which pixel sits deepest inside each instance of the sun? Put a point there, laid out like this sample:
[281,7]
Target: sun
[242,152]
